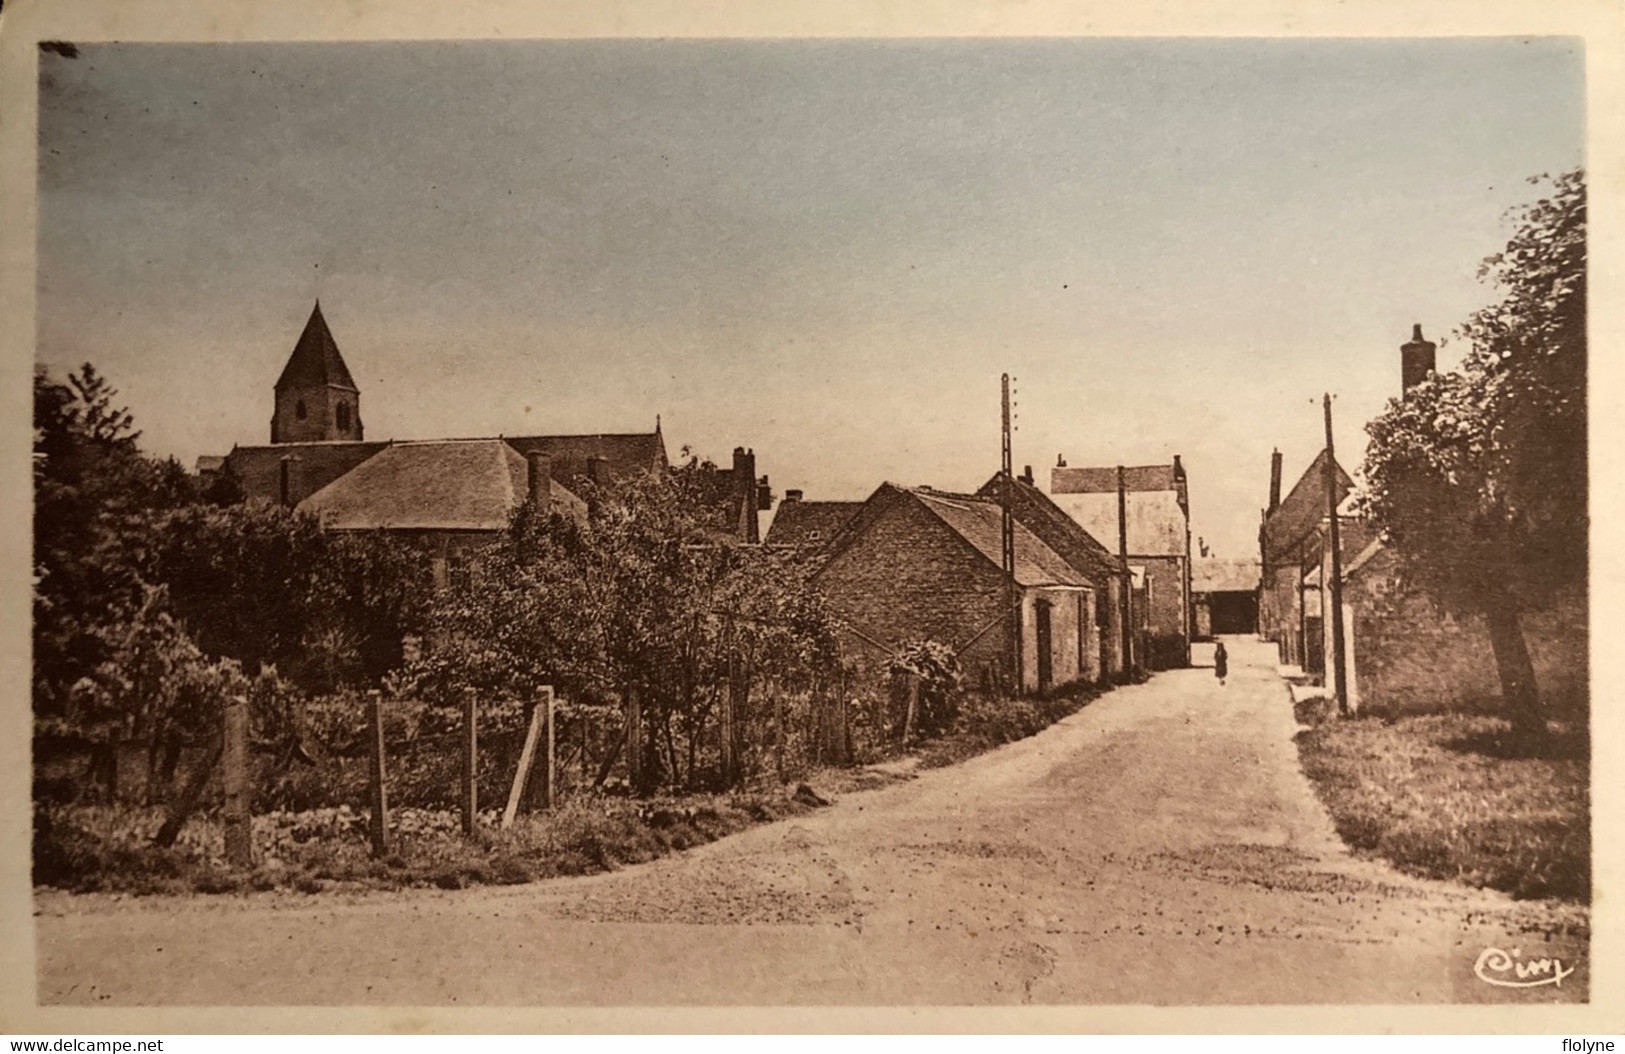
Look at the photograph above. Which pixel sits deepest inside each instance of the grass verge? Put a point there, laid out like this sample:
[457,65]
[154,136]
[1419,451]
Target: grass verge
[85,849]
[1446,796]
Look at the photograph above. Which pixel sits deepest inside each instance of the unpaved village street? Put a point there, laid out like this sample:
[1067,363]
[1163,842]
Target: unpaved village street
[1160,846]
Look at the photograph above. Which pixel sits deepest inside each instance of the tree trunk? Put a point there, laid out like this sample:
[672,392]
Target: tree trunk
[1518,690]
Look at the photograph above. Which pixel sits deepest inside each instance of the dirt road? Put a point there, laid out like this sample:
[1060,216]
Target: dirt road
[1161,846]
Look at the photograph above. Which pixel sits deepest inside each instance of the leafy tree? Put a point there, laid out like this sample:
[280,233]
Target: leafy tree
[1478,477]
[93,495]
[642,599]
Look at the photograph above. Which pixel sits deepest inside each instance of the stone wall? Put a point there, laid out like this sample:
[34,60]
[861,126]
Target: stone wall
[1408,655]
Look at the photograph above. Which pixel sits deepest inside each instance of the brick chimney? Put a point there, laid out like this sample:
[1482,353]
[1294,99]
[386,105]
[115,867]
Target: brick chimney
[1275,482]
[539,480]
[598,470]
[1026,475]
[1416,359]
[792,496]
[745,496]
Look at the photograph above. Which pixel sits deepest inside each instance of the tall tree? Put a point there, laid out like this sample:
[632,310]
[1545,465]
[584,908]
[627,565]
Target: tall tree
[1478,477]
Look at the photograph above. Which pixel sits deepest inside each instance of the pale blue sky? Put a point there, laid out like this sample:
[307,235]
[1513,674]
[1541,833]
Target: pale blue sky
[824,250]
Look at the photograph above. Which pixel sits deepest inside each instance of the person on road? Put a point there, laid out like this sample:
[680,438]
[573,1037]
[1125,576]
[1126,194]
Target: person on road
[1221,663]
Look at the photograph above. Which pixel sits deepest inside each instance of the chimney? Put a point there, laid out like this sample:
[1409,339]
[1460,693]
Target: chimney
[289,481]
[1026,475]
[746,497]
[1060,461]
[539,480]
[791,496]
[1181,488]
[1275,482]
[764,495]
[598,470]
[1416,359]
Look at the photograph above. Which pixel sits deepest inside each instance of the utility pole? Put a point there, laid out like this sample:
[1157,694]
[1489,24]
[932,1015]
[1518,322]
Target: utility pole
[1007,536]
[1334,587]
[1125,595]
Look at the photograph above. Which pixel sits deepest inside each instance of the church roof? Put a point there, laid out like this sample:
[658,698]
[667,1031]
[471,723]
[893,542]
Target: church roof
[316,361]
[626,454]
[469,485]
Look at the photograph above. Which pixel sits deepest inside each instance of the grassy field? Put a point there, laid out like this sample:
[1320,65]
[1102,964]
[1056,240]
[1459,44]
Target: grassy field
[1446,796]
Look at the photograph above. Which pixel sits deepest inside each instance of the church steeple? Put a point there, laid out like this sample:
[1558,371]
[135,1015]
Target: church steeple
[316,398]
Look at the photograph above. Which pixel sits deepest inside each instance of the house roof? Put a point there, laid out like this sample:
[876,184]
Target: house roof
[626,453]
[1034,509]
[1302,510]
[980,522]
[1213,575]
[468,485]
[807,523]
[316,361]
[1103,479]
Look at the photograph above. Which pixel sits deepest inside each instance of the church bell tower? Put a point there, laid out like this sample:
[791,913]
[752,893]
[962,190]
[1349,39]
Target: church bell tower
[316,398]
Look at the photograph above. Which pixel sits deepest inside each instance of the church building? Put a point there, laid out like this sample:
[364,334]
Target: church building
[454,493]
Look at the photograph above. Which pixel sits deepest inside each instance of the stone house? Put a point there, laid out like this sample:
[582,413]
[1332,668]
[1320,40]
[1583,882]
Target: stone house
[915,563]
[1158,541]
[1291,548]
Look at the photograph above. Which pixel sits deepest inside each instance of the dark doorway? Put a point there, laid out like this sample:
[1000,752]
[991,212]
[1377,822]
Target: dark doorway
[1046,670]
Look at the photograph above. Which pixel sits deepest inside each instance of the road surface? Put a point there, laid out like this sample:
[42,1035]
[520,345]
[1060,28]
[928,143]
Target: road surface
[1160,846]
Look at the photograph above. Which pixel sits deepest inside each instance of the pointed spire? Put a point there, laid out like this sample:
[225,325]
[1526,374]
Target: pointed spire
[316,361]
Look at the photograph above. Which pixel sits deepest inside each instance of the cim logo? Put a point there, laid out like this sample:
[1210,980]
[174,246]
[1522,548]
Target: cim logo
[1509,969]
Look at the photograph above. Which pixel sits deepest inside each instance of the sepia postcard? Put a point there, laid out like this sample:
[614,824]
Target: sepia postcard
[554,517]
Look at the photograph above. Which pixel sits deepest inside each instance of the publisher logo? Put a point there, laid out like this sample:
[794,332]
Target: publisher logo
[1506,969]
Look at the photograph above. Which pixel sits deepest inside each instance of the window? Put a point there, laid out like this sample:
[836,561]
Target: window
[344,417]
[299,409]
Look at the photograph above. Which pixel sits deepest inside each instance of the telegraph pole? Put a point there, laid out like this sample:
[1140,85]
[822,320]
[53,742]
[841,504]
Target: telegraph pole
[1125,596]
[1334,587]
[1007,535]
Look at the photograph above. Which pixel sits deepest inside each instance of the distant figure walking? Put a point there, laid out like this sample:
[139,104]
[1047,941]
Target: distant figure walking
[1221,663]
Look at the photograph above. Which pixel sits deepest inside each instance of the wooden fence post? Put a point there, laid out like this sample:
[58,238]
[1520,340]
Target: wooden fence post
[725,725]
[634,740]
[471,761]
[913,705]
[780,733]
[550,758]
[187,802]
[527,757]
[234,782]
[379,827]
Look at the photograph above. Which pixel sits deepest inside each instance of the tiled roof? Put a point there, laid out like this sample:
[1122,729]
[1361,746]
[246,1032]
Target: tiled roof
[810,523]
[1034,510]
[1301,511]
[258,469]
[316,361]
[1103,479]
[469,485]
[980,522]
[625,454]
[1236,575]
